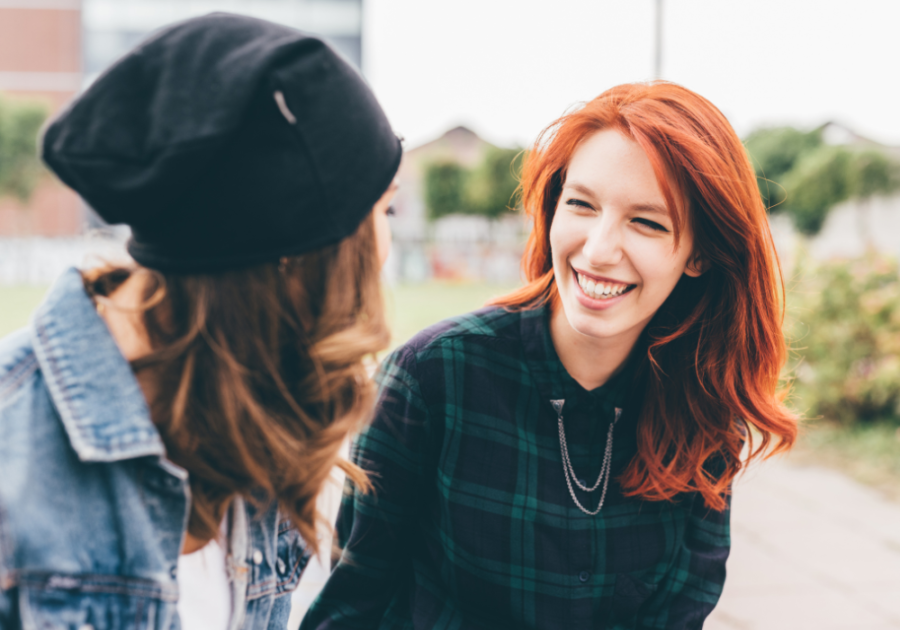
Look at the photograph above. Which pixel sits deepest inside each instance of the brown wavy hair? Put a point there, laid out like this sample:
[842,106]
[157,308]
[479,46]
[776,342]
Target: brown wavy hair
[713,353]
[257,376]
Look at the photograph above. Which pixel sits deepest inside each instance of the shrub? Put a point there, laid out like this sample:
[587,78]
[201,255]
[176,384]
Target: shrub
[20,167]
[843,323]
[487,190]
[445,185]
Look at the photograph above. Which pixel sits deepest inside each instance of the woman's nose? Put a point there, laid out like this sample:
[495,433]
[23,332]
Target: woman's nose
[603,246]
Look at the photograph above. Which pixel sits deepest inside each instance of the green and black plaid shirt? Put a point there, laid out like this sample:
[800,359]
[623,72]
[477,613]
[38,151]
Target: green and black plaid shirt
[471,524]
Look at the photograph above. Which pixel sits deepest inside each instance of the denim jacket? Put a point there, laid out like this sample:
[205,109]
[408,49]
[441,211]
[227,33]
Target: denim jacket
[92,514]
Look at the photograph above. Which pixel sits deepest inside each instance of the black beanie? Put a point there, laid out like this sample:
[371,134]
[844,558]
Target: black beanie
[226,141]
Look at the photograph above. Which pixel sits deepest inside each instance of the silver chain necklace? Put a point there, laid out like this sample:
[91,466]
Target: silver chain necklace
[567,463]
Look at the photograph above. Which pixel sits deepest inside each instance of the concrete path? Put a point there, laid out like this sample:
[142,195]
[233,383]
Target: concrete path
[811,550]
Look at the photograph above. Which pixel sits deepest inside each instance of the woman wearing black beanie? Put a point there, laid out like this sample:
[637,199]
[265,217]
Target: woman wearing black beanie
[179,416]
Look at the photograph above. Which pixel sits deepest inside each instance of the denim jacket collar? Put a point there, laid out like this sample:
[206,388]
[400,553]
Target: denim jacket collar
[102,407]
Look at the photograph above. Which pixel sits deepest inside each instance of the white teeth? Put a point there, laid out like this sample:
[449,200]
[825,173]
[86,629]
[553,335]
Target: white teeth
[600,290]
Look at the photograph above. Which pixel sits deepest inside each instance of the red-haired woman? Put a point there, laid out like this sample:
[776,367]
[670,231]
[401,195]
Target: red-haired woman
[563,458]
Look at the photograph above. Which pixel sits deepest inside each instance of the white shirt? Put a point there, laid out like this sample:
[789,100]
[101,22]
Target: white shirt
[204,600]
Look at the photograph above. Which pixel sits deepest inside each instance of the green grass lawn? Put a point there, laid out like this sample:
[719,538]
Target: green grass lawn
[414,307]
[16,305]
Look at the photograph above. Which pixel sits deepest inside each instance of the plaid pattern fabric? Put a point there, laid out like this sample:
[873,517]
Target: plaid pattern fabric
[471,524]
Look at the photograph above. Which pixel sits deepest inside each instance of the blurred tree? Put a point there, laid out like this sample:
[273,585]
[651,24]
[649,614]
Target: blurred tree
[487,190]
[801,176]
[445,189]
[20,166]
[873,173]
[492,185]
[774,151]
[818,181]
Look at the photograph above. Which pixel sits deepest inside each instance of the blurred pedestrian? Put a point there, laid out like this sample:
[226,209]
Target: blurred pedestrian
[563,459]
[166,426]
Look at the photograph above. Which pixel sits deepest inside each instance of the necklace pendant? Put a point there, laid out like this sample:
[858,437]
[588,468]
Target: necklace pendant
[558,406]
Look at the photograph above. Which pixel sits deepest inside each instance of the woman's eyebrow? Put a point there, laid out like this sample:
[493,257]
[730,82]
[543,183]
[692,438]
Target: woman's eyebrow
[584,190]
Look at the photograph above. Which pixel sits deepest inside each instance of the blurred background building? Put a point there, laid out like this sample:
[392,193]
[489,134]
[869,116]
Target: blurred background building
[111,27]
[40,60]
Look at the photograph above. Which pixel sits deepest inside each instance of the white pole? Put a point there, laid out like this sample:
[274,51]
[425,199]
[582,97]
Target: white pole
[657,68]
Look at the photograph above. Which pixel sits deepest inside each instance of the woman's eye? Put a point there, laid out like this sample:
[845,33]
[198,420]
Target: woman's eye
[579,203]
[390,211]
[653,225]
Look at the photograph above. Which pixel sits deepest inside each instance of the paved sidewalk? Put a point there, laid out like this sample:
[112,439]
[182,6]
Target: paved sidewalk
[811,550]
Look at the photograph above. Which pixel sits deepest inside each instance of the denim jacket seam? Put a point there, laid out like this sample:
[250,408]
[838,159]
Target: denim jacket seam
[293,571]
[54,369]
[106,584]
[272,585]
[19,373]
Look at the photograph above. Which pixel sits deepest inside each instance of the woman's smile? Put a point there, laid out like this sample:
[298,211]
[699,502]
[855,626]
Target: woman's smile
[599,293]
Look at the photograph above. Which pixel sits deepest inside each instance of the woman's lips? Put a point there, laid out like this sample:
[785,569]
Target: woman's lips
[598,294]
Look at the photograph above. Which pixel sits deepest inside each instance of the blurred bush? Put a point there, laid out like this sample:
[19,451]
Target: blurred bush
[819,180]
[486,190]
[774,151]
[800,175]
[445,184]
[843,324]
[20,166]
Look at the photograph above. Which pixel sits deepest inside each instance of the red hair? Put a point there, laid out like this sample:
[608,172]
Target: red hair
[695,416]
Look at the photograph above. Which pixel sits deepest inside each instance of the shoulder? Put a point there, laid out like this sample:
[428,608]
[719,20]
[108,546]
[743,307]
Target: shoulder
[489,329]
[481,326]
[489,338]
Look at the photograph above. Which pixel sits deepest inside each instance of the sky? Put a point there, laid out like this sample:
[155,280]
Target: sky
[508,68]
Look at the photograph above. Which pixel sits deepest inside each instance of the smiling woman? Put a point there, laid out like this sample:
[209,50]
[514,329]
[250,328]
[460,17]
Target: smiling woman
[563,458]
[614,245]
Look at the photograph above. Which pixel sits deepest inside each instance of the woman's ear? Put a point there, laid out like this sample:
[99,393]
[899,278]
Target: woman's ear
[696,267]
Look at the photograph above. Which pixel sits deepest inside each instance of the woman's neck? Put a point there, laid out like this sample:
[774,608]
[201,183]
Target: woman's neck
[589,360]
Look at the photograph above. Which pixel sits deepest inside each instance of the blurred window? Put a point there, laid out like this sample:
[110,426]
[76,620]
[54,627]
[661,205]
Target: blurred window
[112,27]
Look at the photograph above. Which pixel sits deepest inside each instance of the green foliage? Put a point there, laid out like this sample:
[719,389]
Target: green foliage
[20,165]
[445,185]
[873,173]
[803,177]
[817,182]
[774,151]
[844,326]
[492,185]
[487,190]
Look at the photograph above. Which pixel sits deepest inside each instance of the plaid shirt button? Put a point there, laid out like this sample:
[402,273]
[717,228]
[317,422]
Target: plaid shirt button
[584,576]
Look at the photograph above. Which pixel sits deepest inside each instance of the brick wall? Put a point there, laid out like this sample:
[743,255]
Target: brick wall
[40,60]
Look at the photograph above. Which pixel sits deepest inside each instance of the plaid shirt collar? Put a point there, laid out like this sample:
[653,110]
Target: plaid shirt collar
[551,378]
